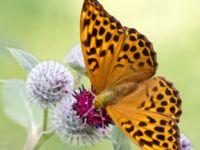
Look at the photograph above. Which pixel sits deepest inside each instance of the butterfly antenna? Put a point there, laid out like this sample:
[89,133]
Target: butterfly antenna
[84,116]
[92,93]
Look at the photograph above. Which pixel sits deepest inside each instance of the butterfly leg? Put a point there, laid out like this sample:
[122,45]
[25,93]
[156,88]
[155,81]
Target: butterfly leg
[84,123]
[101,114]
[84,117]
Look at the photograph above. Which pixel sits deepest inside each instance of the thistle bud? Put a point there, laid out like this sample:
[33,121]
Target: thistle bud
[74,59]
[185,143]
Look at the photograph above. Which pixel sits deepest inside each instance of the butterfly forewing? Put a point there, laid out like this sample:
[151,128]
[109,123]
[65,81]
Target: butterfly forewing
[101,37]
[136,60]
[111,50]
[153,110]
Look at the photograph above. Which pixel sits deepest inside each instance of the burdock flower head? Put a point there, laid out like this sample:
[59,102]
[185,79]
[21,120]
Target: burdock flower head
[77,123]
[48,83]
[84,107]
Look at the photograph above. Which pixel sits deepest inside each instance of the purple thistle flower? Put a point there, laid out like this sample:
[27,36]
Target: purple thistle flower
[76,122]
[84,107]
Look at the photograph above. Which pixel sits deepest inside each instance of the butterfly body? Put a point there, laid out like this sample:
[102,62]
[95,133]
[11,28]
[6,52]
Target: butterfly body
[103,99]
[120,63]
[109,96]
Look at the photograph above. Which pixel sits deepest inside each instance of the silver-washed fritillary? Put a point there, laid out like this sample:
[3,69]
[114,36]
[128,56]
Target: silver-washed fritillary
[120,63]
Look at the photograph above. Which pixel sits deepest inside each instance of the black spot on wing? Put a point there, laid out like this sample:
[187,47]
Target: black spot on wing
[111,48]
[91,61]
[92,51]
[86,22]
[103,53]
[130,129]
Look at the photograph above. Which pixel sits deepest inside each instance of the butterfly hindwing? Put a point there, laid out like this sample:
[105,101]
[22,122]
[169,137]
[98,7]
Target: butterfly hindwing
[156,95]
[149,131]
[152,111]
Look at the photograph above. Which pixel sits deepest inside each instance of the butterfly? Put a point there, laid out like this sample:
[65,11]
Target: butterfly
[120,63]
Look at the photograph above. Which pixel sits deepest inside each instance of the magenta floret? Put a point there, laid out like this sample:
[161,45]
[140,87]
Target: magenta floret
[84,107]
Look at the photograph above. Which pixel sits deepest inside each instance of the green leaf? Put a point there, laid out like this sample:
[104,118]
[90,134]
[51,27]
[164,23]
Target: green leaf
[119,140]
[17,107]
[26,60]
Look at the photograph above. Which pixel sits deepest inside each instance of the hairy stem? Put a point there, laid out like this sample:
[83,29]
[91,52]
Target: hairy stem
[32,139]
[44,136]
[78,80]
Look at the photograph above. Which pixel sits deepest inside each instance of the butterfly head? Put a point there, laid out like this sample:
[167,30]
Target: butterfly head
[97,103]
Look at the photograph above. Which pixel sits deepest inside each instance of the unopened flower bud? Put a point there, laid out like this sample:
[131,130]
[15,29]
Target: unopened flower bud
[186,144]
[74,59]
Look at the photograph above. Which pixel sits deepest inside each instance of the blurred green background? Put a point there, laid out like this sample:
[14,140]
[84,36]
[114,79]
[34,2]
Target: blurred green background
[49,28]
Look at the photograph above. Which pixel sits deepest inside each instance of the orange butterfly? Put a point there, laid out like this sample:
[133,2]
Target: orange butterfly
[120,63]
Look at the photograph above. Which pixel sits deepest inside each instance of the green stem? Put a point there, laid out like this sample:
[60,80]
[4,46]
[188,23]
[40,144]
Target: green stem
[45,120]
[44,136]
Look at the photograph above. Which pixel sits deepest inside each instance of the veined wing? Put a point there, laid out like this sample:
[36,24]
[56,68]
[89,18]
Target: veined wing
[150,114]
